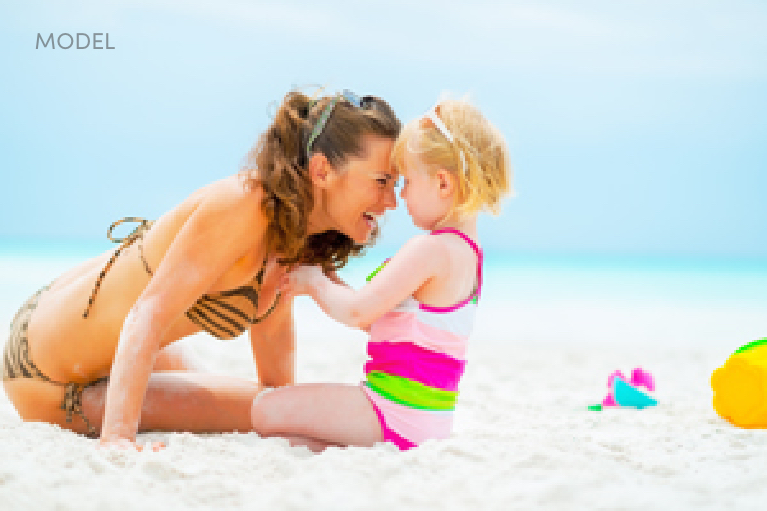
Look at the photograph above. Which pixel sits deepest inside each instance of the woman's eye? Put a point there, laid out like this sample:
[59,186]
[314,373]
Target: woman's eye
[382,181]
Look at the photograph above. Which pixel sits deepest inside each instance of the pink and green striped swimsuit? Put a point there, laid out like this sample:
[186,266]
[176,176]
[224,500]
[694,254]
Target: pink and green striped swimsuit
[417,357]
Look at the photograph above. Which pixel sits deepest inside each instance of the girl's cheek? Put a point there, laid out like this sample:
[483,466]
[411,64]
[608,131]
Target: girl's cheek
[409,205]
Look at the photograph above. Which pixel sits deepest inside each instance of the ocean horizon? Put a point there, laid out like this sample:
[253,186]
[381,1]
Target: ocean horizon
[549,298]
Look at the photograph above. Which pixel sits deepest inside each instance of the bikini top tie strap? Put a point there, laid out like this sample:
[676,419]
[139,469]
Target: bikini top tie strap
[141,228]
[125,242]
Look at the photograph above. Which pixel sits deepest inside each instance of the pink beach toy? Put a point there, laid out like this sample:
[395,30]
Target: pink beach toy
[642,378]
[627,393]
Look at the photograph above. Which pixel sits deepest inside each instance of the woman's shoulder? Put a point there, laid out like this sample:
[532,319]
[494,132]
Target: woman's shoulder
[222,206]
[228,199]
[230,189]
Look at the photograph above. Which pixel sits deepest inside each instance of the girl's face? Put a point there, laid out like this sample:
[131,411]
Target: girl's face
[362,191]
[423,193]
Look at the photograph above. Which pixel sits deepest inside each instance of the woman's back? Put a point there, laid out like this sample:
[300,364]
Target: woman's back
[72,347]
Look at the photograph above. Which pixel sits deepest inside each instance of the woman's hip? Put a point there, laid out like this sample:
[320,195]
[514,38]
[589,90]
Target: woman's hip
[17,362]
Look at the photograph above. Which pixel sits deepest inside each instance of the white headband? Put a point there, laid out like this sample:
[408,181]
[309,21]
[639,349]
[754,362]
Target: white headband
[433,117]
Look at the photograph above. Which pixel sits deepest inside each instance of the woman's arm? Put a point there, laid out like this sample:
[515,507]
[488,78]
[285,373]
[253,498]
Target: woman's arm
[419,260]
[273,342]
[198,256]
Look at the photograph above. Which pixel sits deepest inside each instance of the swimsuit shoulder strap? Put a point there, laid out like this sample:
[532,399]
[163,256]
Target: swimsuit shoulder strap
[260,282]
[475,247]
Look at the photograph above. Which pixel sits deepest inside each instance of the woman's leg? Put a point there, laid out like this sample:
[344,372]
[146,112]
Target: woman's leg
[177,357]
[317,414]
[184,401]
[174,401]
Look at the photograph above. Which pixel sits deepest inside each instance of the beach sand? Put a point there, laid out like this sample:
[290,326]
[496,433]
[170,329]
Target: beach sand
[543,347]
[523,439]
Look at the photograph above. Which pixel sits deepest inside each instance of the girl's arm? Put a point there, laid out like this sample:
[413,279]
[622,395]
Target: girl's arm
[333,276]
[417,262]
[199,254]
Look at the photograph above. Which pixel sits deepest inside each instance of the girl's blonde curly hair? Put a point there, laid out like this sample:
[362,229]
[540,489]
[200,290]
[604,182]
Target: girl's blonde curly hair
[483,173]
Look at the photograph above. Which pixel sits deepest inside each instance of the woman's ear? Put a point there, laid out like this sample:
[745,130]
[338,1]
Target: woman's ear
[320,171]
[446,182]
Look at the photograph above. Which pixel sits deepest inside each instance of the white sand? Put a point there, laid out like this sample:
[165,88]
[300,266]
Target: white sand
[523,437]
[523,440]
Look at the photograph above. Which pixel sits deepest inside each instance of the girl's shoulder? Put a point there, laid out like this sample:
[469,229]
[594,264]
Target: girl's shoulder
[444,244]
[425,248]
[426,242]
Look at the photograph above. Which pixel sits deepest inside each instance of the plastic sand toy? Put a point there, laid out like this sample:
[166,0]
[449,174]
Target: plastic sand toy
[740,386]
[628,392]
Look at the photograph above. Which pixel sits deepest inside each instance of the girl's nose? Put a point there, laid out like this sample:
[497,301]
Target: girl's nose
[390,199]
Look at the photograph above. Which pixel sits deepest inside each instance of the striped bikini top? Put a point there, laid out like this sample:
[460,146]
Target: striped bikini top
[418,352]
[224,315]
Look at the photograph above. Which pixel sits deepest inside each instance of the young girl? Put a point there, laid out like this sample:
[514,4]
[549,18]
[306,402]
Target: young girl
[419,307]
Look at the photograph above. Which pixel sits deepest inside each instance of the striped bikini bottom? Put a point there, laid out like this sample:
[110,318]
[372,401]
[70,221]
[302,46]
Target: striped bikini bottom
[17,363]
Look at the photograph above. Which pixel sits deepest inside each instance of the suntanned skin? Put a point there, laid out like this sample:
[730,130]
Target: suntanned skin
[211,242]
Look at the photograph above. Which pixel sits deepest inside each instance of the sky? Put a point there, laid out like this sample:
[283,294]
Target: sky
[635,128]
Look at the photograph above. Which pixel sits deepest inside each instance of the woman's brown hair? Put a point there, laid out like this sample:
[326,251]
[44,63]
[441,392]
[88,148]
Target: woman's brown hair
[278,164]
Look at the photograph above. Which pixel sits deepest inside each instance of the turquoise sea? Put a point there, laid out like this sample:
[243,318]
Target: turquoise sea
[546,298]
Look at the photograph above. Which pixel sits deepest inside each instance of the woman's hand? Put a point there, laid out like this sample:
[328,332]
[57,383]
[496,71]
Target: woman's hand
[124,444]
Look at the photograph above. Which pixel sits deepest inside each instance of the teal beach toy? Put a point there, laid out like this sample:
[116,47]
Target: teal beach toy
[626,395]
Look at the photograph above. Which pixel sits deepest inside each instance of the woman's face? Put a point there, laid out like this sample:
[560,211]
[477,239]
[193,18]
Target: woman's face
[363,190]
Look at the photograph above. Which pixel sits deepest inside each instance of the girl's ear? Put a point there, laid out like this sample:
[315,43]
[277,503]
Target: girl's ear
[446,182]
[321,172]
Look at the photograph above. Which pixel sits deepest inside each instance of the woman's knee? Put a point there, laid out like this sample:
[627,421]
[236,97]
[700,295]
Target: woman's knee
[265,413]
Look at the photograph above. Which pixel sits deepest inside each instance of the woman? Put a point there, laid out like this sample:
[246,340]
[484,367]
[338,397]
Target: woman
[98,341]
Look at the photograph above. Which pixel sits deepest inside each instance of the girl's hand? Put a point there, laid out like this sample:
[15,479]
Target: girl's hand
[300,280]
